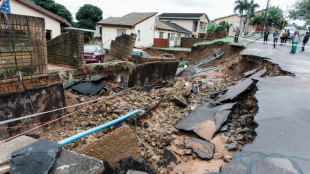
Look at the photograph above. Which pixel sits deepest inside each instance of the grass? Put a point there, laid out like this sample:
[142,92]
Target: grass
[173,49]
[225,40]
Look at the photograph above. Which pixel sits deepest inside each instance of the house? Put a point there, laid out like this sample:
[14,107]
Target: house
[142,24]
[194,22]
[53,23]
[234,20]
[169,34]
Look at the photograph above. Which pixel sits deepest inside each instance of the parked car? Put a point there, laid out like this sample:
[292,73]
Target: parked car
[93,54]
[137,52]
[292,30]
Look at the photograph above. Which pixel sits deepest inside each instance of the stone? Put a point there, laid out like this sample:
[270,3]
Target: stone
[189,71]
[231,147]
[206,119]
[227,158]
[169,157]
[36,158]
[204,149]
[179,84]
[6,149]
[135,172]
[180,100]
[188,152]
[129,163]
[71,162]
[195,89]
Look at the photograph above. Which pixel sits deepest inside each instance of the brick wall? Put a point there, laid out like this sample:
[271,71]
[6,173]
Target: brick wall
[67,49]
[31,52]
[122,47]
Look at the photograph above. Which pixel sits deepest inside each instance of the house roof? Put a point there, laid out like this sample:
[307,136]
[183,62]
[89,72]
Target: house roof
[44,11]
[227,16]
[176,27]
[129,20]
[162,26]
[181,15]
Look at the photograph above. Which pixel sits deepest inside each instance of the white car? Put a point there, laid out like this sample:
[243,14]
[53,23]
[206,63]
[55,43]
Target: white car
[292,30]
[137,52]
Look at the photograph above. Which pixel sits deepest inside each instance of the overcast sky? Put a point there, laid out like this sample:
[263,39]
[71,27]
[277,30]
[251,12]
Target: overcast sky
[214,8]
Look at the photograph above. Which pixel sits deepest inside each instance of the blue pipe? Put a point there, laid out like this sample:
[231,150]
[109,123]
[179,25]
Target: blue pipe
[95,129]
[208,60]
[210,69]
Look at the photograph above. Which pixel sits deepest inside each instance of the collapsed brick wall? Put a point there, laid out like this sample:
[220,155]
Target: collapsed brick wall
[140,60]
[219,35]
[122,47]
[35,100]
[31,53]
[67,49]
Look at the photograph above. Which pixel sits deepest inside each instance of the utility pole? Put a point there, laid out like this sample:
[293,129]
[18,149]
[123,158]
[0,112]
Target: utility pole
[265,20]
[285,16]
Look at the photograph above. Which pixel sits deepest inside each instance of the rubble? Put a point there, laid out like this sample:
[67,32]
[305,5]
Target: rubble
[204,149]
[129,164]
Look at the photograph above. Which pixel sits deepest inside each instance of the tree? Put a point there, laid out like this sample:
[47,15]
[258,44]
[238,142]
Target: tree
[87,16]
[55,8]
[240,6]
[211,27]
[250,12]
[301,11]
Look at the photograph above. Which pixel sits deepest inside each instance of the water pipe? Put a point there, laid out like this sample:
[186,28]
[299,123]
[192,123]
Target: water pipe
[202,63]
[210,69]
[95,129]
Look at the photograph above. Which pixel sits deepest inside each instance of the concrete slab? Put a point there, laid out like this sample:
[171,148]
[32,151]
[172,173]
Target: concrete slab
[36,158]
[6,149]
[71,162]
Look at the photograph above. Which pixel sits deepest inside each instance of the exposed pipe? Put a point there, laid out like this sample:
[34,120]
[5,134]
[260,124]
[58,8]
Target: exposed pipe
[95,129]
[202,63]
[210,69]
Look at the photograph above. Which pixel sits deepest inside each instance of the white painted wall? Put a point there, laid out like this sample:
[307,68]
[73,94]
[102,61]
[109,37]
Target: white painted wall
[146,28]
[234,20]
[172,43]
[50,23]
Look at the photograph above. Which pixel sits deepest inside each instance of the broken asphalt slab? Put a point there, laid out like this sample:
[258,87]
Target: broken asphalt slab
[187,72]
[249,73]
[282,141]
[71,162]
[129,163]
[89,88]
[204,149]
[6,149]
[36,158]
[235,91]
[95,78]
[206,119]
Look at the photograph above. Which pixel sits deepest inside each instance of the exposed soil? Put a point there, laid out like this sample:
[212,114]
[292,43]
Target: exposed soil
[152,131]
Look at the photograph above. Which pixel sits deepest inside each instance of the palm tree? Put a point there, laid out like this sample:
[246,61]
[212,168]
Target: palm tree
[240,6]
[250,12]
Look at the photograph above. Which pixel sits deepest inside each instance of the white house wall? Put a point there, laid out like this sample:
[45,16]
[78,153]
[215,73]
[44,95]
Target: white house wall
[146,28]
[50,23]
[172,43]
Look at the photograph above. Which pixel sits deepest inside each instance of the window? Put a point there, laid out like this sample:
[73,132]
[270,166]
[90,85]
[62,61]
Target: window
[179,36]
[48,34]
[161,35]
[121,32]
[187,35]
[145,54]
[139,35]
[195,26]
[172,36]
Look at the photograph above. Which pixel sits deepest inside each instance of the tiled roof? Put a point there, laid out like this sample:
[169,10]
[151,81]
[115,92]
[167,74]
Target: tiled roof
[129,20]
[181,15]
[227,16]
[161,25]
[46,12]
[176,27]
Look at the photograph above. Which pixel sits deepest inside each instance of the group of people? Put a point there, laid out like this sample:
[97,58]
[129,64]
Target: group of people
[295,39]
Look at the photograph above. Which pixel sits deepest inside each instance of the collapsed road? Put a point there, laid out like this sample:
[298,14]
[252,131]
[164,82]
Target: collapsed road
[247,116]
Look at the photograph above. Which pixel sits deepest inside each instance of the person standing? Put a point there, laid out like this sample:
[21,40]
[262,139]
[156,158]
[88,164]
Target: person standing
[237,34]
[275,37]
[305,40]
[287,36]
[283,36]
[266,34]
[295,41]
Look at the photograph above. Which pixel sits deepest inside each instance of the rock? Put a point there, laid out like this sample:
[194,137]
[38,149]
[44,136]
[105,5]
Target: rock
[180,100]
[36,158]
[119,111]
[71,162]
[188,152]
[231,147]
[169,157]
[129,163]
[155,159]
[227,158]
[179,85]
[135,172]
[195,89]
[189,71]
[6,149]
[204,149]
